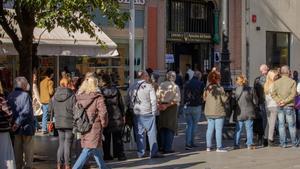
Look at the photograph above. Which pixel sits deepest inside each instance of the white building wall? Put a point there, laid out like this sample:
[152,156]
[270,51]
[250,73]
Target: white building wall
[272,15]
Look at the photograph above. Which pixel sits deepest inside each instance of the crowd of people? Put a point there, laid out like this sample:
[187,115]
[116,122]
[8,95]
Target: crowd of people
[93,110]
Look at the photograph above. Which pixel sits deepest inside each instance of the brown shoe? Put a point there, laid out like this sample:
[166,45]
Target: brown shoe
[67,167]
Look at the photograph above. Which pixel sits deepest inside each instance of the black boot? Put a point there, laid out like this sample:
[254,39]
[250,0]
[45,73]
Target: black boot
[271,143]
[265,143]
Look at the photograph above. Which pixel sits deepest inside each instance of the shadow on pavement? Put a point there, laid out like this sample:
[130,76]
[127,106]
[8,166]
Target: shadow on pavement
[177,166]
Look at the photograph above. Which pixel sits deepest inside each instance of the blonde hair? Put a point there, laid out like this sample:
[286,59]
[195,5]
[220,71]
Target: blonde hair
[241,80]
[65,82]
[89,85]
[271,77]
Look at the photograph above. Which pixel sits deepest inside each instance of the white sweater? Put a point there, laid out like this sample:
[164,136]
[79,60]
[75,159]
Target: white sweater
[146,102]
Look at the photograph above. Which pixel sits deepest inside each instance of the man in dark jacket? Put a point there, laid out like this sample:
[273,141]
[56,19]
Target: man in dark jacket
[261,122]
[193,101]
[20,102]
[61,105]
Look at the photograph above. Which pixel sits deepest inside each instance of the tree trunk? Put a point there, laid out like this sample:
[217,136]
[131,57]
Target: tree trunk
[25,60]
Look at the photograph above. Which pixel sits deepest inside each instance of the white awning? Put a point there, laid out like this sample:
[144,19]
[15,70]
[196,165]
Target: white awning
[59,43]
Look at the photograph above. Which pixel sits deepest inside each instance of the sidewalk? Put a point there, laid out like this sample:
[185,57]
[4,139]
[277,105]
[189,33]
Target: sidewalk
[198,158]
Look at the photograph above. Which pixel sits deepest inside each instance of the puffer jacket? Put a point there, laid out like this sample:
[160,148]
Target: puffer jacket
[95,109]
[115,107]
[215,98]
[61,106]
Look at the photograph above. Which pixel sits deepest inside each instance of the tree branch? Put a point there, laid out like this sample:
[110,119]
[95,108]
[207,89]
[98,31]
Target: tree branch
[6,26]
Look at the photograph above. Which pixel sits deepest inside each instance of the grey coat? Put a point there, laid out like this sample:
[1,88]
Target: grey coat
[246,103]
[61,105]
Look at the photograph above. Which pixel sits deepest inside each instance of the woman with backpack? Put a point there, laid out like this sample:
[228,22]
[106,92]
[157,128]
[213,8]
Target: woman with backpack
[61,106]
[89,98]
[214,97]
[116,114]
[246,100]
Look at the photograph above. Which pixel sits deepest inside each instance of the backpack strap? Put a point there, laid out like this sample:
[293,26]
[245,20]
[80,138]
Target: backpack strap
[240,95]
[136,93]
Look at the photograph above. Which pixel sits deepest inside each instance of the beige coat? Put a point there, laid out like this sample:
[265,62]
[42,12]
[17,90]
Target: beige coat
[215,98]
[93,139]
[284,90]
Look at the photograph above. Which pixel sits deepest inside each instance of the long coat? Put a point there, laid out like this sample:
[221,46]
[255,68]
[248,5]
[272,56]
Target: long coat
[96,110]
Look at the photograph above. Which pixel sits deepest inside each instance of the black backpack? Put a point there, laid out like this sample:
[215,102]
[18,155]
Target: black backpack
[82,123]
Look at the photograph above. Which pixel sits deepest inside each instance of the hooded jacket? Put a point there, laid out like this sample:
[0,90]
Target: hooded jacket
[115,107]
[95,109]
[61,106]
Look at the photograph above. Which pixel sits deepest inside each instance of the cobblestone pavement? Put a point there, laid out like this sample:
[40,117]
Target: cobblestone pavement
[198,158]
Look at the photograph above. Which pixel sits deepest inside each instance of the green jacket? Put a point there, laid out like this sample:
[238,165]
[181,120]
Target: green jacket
[284,90]
[215,98]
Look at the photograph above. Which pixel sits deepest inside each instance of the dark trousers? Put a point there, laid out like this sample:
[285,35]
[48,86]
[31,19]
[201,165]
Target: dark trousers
[65,145]
[166,138]
[118,148]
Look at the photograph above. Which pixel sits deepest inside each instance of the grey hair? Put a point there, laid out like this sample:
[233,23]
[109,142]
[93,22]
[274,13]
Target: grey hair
[171,76]
[285,70]
[20,81]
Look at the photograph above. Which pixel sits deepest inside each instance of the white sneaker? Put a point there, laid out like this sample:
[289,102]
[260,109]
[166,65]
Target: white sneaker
[220,150]
[208,149]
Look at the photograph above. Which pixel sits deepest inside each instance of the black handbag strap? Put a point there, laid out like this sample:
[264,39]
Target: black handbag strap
[136,93]
[240,95]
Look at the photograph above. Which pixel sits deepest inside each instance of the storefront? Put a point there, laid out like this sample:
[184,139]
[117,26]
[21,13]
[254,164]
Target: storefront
[58,51]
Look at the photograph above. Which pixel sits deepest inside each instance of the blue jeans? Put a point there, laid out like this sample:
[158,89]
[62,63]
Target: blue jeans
[85,154]
[45,117]
[142,123]
[192,117]
[212,125]
[166,138]
[287,113]
[239,129]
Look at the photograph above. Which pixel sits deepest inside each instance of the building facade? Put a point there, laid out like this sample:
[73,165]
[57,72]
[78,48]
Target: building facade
[270,34]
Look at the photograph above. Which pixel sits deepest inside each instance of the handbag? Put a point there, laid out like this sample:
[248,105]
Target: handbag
[50,126]
[297,102]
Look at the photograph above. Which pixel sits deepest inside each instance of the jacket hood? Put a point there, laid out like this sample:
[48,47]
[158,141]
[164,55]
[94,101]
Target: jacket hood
[62,94]
[86,99]
[109,91]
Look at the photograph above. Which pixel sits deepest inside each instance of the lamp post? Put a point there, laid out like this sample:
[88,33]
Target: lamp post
[131,42]
[225,62]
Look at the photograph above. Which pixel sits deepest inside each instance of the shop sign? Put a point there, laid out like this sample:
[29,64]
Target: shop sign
[169,58]
[189,37]
[137,2]
[217,57]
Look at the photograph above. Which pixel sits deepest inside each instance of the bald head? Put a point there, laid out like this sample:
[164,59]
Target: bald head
[263,69]
[285,70]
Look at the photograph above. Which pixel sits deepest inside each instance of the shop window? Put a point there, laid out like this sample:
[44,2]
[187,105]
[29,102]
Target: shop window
[278,48]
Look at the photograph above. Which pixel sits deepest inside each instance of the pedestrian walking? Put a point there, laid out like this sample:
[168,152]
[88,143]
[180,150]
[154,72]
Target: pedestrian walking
[193,102]
[23,123]
[246,102]
[214,97]
[168,97]
[61,107]
[143,99]
[116,120]
[261,121]
[89,97]
[271,105]
[7,158]
[284,93]
[46,91]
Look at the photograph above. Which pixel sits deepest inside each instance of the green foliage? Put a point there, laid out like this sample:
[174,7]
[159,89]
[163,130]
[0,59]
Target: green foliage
[73,15]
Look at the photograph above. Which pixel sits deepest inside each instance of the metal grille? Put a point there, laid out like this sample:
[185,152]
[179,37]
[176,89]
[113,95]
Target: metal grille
[190,16]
